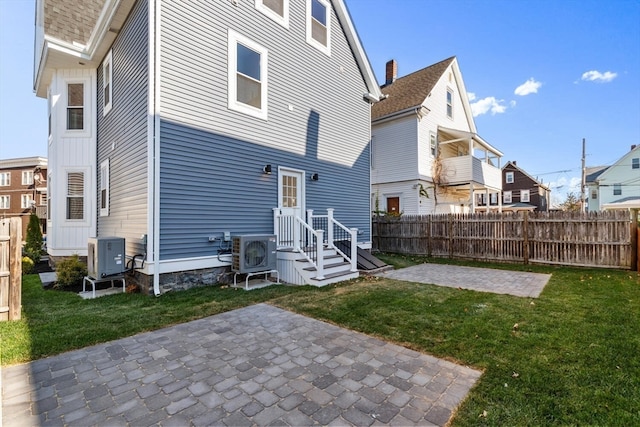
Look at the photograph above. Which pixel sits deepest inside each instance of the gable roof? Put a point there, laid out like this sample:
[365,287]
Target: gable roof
[522,171]
[409,91]
[621,162]
[70,20]
[592,173]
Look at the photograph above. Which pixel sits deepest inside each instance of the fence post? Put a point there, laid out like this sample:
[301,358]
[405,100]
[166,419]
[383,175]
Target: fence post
[450,232]
[525,235]
[15,267]
[429,236]
[635,230]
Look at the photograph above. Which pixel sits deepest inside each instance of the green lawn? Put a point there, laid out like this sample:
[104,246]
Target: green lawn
[574,358]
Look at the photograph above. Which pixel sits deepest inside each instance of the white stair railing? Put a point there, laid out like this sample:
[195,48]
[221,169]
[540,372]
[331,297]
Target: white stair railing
[337,232]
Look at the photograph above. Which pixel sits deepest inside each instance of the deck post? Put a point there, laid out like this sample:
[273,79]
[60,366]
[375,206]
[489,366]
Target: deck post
[354,249]
[320,257]
[330,227]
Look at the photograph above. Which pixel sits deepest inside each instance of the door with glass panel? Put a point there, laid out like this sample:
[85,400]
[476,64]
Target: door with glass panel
[290,204]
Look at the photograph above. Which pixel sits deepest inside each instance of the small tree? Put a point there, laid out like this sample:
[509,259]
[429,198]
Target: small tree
[33,245]
[572,203]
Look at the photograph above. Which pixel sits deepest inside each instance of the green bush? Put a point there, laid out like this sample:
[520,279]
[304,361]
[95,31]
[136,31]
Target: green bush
[27,265]
[33,245]
[70,272]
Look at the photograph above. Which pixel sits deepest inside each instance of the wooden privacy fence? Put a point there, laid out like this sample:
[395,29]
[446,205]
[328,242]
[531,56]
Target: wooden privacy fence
[10,268]
[599,239]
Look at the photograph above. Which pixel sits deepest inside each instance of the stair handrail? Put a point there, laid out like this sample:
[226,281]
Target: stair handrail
[314,247]
[352,258]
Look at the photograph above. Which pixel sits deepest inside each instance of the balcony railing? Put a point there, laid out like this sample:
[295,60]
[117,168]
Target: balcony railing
[464,169]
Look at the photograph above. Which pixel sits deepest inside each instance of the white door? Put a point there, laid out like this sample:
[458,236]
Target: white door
[290,203]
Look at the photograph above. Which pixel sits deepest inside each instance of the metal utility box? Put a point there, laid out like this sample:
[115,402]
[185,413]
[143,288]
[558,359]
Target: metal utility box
[105,257]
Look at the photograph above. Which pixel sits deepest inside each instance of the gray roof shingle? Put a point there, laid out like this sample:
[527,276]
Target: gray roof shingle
[71,20]
[409,91]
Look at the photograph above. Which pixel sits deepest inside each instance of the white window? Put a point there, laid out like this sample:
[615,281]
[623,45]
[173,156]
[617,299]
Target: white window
[104,188]
[75,106]
[506,197]
[509,177]
[247,79]
[617,189]
[5,202]
[594,194]
[319,25]
[493,197]
[449,103]
[278,10]
[635,163]
[25,201]
[524,196]
[5,179]
[75,195]
[107,84]
[433,143]
[27,177]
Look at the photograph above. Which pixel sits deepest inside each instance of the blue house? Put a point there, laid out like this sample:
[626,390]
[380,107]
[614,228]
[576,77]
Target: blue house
[179,125]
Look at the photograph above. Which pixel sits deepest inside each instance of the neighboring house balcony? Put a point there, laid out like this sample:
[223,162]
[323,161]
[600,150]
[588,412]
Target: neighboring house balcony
[469,166]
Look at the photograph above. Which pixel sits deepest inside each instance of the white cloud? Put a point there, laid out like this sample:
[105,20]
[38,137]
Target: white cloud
[528,87]
[486,105]
[471,96]
[598,77]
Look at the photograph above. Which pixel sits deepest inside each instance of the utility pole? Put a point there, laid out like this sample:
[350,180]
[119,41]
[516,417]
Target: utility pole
[583,198]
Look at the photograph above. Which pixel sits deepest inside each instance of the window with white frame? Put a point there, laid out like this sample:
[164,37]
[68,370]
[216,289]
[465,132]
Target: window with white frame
[5,179]
[506,197]
[278,10]
[449,103]
[508,177]
[433,144]
[27,177]
[5,202]
[617,189]
[75,106]
[319,25]
[524,196]
[594,194]
[104,188]
[493,197]
[75,196]
[247,79]
[107,84]
[635,163]
[26,201]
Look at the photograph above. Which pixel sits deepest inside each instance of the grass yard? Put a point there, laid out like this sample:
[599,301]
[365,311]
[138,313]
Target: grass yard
[573,359]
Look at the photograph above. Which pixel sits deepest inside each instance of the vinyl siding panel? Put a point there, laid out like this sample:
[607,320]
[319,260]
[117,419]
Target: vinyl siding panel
[122,134]
[395,150]
[212,157]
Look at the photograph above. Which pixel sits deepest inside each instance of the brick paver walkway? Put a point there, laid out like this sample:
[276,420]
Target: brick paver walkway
[518,283]
[258,365]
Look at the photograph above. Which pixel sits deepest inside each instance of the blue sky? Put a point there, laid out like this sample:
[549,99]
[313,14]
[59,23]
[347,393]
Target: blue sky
[544,74]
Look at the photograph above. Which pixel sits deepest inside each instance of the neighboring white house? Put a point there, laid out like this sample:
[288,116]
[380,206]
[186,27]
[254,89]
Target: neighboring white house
[426,154]
[616,186]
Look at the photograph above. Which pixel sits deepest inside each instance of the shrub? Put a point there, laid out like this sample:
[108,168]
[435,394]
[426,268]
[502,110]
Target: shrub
[27,265]
[33,245]
[70,272]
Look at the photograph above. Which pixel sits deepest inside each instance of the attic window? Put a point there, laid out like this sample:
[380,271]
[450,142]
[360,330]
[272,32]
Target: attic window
[450,103]
[319,25]
[509,178]
[278,10]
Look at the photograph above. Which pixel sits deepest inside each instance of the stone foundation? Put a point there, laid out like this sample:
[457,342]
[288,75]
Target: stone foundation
[182,280]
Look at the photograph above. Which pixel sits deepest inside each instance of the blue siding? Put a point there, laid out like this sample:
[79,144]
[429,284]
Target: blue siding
[122,134]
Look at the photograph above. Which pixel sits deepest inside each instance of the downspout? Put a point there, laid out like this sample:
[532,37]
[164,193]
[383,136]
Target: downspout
[154,39]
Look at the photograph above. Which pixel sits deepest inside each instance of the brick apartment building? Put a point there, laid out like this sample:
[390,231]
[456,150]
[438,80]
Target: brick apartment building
[23,189]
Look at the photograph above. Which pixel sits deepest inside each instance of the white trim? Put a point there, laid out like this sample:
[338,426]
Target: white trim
[85,196]
[108,61]
[25,200]
[303,190]
[507,197]
[29,175]
[525,196]
[85,132]
[282,20]
[234,39]
[105,178]
[506,177]
[313,42]
[449,91]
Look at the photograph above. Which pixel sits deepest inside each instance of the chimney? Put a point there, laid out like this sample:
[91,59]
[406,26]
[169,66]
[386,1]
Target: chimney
[391,71]
[513,162]
[633,146]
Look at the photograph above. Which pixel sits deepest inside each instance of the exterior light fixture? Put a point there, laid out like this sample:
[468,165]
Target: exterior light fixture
[314,177]
[266,169]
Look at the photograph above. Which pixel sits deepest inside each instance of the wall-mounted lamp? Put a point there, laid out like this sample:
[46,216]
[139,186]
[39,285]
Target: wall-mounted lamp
[266,169]
[314,177]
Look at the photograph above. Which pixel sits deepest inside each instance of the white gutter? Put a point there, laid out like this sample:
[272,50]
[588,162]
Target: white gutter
[154,13]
